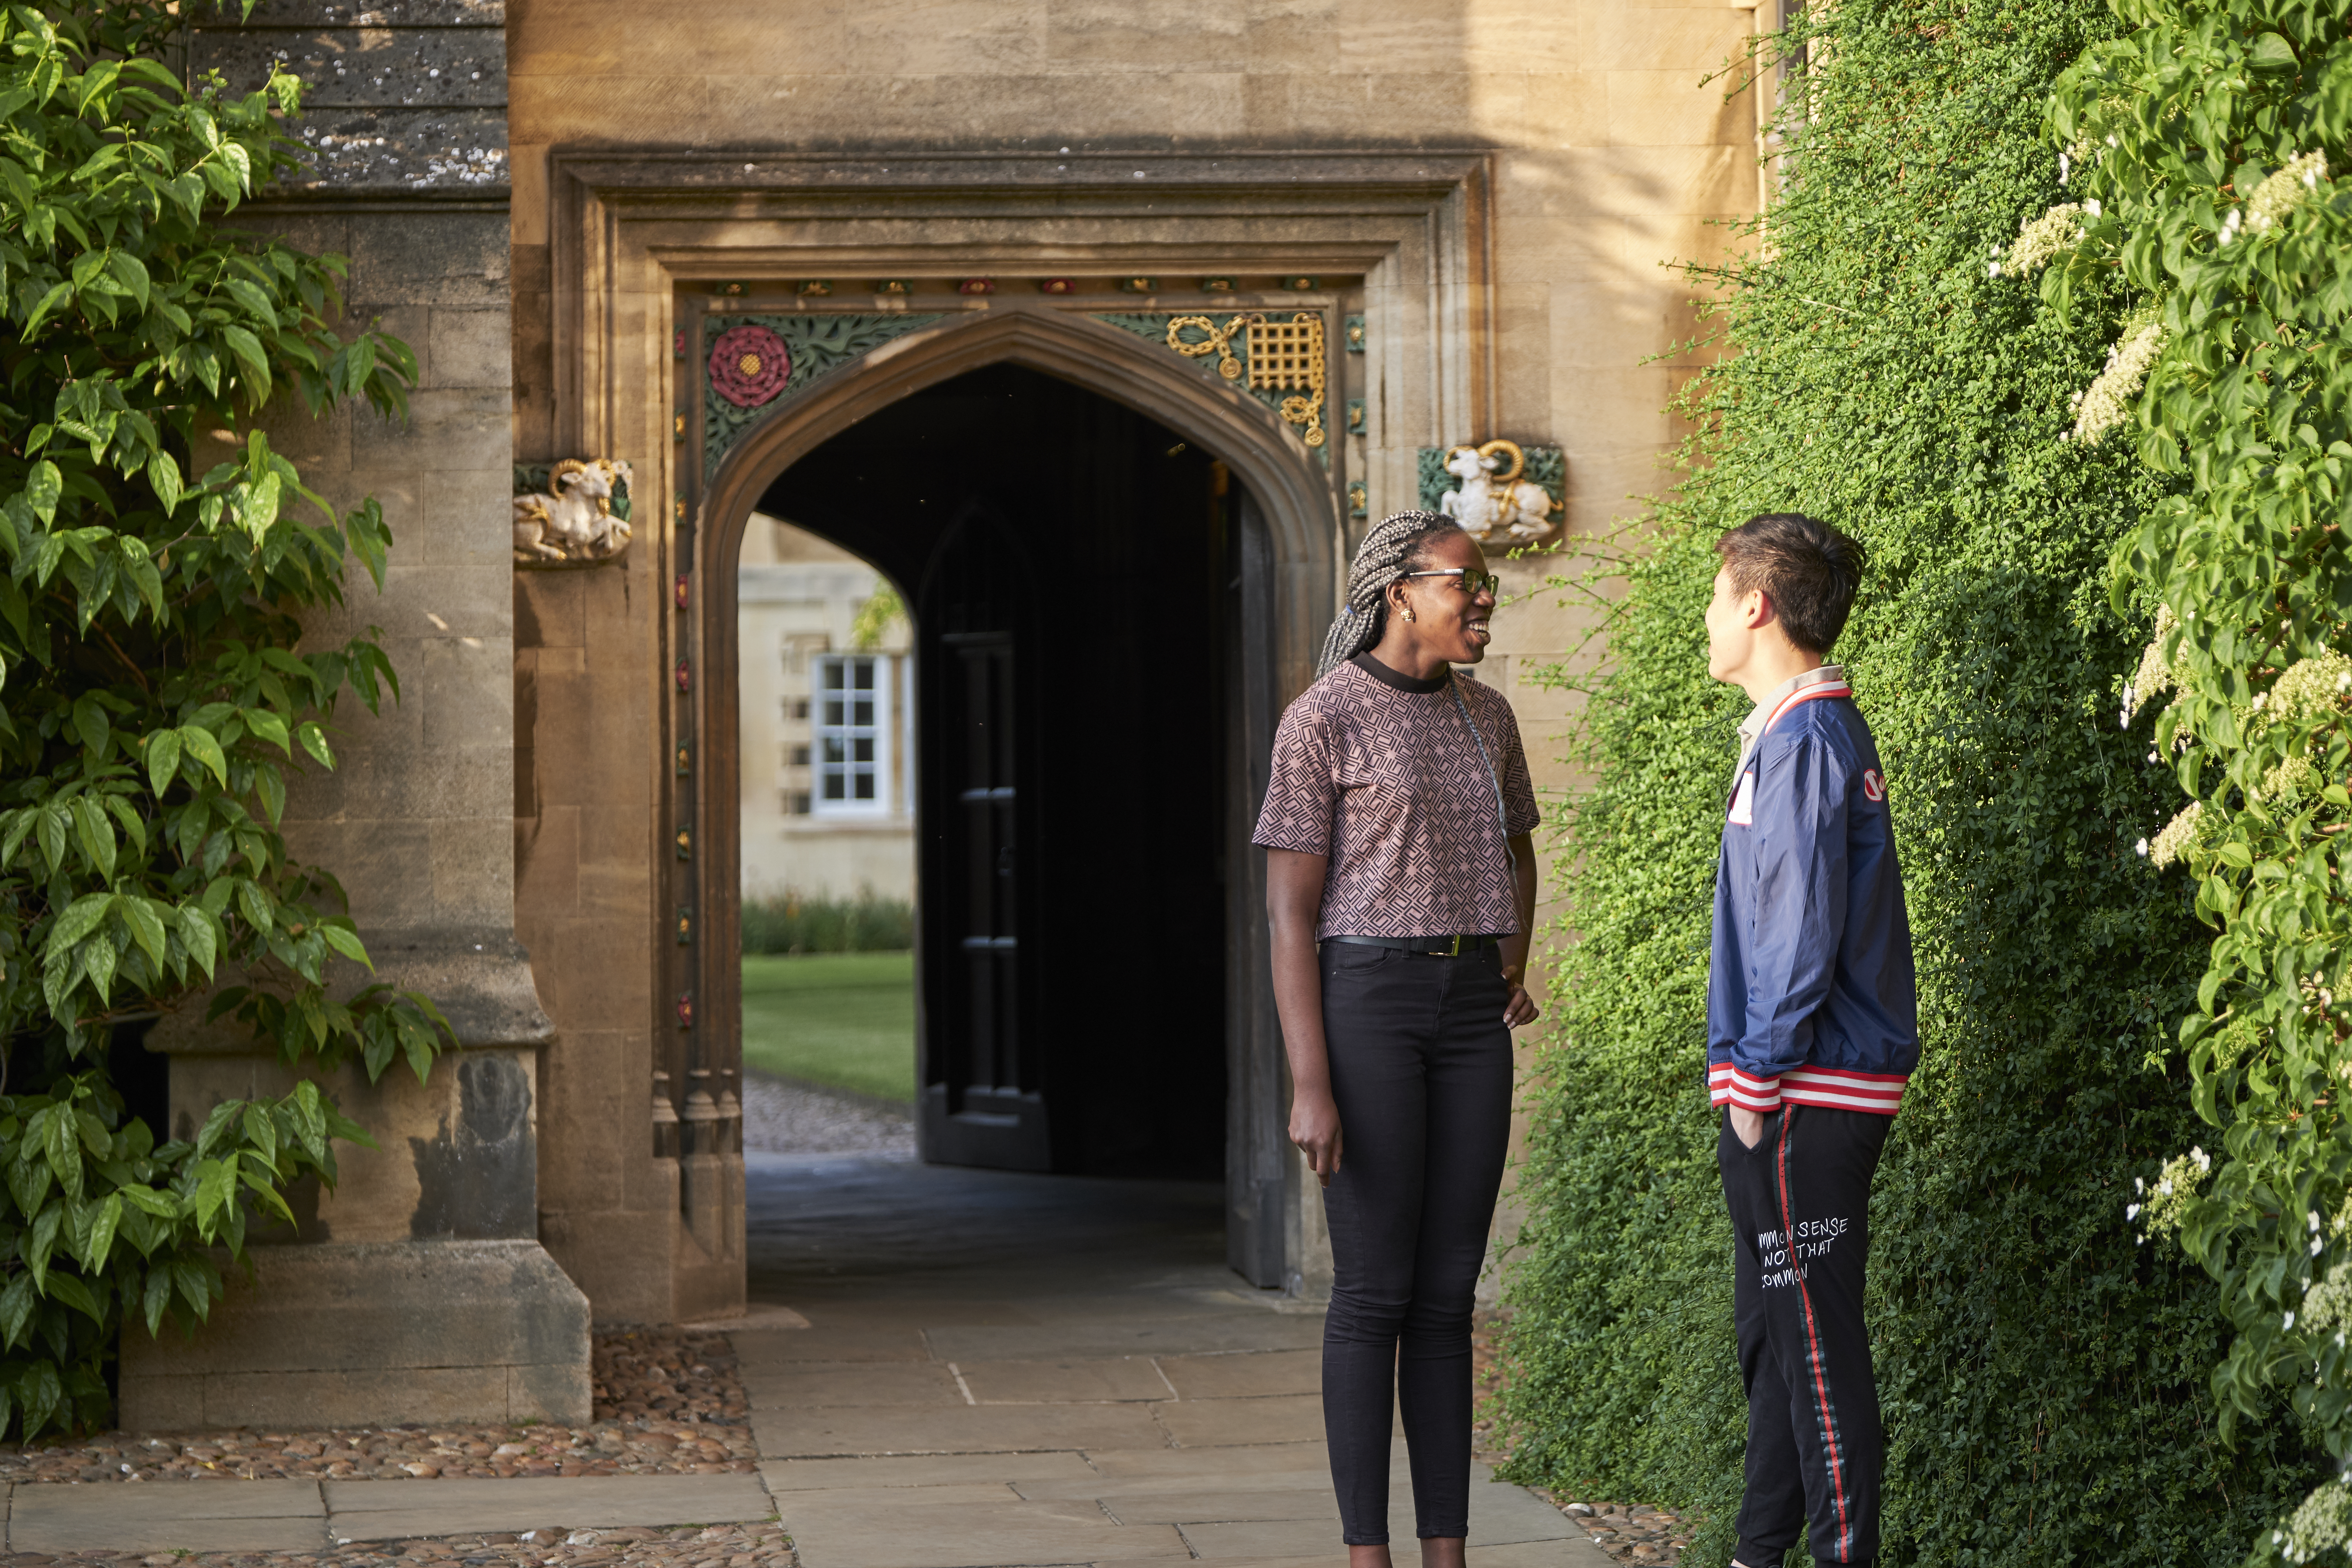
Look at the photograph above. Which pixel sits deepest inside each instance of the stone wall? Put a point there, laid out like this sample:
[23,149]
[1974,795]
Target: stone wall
[1602,157]
[417,1289]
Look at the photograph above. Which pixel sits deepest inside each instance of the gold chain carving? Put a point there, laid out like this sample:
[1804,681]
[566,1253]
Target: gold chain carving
[1283,356]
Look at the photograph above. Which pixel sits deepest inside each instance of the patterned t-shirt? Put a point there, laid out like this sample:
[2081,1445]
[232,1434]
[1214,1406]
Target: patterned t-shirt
[1373,769]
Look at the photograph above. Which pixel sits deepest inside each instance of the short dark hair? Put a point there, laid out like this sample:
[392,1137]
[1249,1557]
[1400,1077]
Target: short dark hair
[1809,570]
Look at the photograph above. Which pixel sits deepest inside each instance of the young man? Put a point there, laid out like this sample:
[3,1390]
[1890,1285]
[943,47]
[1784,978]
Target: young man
[1812,1030]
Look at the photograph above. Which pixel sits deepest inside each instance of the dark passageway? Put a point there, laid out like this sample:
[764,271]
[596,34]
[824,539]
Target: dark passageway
[1067,560]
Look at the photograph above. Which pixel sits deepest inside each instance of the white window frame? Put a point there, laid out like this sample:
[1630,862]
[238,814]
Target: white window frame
[826,726]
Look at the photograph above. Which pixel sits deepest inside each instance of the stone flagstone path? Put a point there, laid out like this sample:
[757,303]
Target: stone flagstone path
[1029,1370]
[999,1371]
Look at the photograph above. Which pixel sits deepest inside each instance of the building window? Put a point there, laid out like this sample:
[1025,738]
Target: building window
[799,756]
[797,803]
[852,732]
[800,709]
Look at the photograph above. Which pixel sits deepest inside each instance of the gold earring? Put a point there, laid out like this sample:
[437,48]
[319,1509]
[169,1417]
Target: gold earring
[1409,616]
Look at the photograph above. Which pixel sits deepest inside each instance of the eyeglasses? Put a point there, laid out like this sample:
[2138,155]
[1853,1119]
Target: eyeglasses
[1472,582]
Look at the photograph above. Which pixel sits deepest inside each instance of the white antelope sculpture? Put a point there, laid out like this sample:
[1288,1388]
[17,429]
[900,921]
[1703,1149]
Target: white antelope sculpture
[1486,499]
[573,520]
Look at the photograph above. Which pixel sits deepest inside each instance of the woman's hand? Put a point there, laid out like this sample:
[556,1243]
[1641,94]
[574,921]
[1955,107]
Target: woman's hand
[1315,1128]
[1518,1008]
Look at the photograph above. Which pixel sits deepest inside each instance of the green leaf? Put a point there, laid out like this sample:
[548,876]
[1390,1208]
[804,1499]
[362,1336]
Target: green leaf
[145,922]
[163,759]
[250,358]
[345,941]
[83,916]
[198,934]
[131,273]
[199,743]
[43,489]
[269,726]
[163,478]
[90,724]
[2272,53]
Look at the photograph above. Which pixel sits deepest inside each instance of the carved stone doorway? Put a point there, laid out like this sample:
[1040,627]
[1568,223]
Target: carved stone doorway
[1147,623]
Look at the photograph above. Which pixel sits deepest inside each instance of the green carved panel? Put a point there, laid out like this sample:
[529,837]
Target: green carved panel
[1546,467]
[819,344]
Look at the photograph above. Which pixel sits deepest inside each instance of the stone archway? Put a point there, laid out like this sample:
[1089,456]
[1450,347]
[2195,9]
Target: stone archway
[639,1180]
[1291,537]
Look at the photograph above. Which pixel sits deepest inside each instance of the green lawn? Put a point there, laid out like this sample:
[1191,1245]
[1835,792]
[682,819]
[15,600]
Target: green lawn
[841,1018]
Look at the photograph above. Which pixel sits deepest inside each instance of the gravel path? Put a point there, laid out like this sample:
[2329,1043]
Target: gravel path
[687,1546]
[786,1116]
[668,1402]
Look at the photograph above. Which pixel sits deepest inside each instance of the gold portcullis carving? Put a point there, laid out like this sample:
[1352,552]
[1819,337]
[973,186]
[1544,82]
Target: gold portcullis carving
[1283,356]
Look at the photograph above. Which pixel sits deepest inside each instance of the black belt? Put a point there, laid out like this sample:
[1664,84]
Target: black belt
[1426,946]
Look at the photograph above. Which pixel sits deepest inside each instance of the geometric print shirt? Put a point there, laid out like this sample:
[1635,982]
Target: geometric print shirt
[1374,769]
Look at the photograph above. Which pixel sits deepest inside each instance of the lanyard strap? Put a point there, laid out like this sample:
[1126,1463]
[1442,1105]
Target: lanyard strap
[1502,817]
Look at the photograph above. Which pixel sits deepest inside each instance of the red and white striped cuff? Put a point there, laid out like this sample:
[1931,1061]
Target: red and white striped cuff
[1879,1093]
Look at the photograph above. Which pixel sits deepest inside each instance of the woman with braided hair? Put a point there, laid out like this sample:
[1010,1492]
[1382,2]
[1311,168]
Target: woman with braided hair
[1401,886]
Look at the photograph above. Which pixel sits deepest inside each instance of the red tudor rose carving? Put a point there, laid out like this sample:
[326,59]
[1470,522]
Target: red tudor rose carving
[748,365]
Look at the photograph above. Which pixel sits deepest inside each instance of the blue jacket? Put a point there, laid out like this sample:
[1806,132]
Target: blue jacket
[1810,998]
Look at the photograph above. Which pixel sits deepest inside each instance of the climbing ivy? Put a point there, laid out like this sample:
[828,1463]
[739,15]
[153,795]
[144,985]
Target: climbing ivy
[156,684]
[2043,1374]
[2207,147]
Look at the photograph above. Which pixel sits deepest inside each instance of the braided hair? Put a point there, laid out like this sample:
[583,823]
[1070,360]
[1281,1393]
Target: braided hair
[1392,548]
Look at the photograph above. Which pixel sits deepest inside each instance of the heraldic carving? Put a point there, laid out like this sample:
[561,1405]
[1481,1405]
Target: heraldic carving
[574,513]
[1284,357]
[1499,485]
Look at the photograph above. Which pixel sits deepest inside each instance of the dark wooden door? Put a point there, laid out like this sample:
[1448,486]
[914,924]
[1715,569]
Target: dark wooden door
[982,1101]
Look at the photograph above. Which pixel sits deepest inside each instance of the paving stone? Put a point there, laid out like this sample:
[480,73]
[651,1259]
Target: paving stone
[1020,1471]
[831,1342]
[1244,1373]
[167,1516]
[1222,1504]
[1207,1423]
[1237,1331]
[850,1432]
[816,1383]
[1039,1382]
[1271,1538]
[968,1535]
[391,1510]
[1573,1552]
[1263,1459]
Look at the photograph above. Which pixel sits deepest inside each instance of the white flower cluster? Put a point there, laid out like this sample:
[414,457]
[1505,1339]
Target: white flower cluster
[2324,1524]
[2175,1186]
[2290,778]
[2311,687]
[2102,406]
[2154,676]
[2175,837]
[2276,196]
[2039,240]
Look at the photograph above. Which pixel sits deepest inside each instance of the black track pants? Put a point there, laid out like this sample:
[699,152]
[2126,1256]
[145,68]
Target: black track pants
[1420,1068]
[1799,1205]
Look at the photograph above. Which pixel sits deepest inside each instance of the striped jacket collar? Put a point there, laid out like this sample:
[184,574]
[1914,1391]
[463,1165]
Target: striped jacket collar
[1784,697]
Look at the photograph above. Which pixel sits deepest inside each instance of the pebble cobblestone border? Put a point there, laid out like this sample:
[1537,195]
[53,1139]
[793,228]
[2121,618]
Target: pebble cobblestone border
[667,1401]
[686,1546]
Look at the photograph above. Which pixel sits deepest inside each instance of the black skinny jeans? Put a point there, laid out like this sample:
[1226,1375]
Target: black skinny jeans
[1421,1069]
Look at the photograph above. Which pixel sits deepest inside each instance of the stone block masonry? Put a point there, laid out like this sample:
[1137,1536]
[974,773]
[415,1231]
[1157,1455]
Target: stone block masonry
[417,1291]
